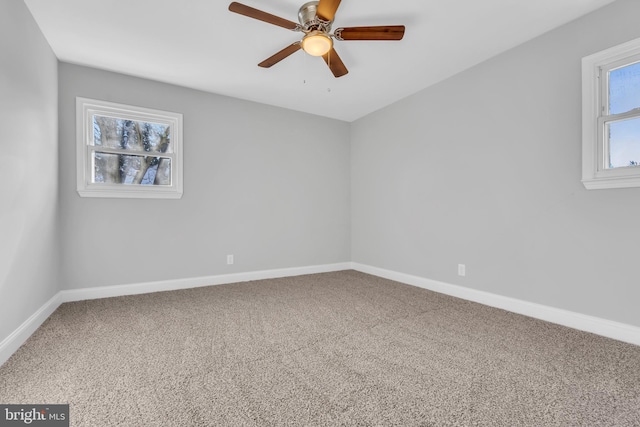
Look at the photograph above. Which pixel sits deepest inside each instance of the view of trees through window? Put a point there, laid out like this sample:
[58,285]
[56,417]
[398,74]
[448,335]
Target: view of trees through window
[129,152]
[624,135]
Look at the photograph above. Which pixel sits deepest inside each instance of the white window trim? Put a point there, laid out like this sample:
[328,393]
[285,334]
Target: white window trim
[85,108]
[594,97]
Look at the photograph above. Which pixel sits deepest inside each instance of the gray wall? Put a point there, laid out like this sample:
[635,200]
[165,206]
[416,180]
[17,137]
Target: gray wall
[270,186]
[28,167]
[484,169]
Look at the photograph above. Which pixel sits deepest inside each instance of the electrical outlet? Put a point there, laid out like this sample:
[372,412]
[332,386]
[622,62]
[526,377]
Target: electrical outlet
[229,259]
[462,270]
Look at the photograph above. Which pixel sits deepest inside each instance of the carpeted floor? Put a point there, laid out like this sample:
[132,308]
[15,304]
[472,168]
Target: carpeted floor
[341,348]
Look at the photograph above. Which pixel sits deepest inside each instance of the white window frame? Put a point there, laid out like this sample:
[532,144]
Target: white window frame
[595,116]
[85,110]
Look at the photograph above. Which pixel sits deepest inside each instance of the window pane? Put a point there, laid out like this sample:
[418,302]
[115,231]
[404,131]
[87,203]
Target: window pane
[624,89]
[136,170]
[624,143]
[131,135]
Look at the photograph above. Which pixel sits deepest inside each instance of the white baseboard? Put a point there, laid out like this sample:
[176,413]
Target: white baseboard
[10,344]
[194,282]
[583,322]
[607,328]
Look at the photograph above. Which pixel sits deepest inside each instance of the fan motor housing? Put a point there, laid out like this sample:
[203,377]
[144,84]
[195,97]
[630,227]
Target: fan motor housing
[308,19]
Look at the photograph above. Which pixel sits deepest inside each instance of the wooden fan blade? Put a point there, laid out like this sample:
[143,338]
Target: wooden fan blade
[274,59]
[262,16]
[326,9]
[335,63]
[387,32]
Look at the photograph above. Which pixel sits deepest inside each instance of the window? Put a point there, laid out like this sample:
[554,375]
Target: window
[611,117]
[125,151]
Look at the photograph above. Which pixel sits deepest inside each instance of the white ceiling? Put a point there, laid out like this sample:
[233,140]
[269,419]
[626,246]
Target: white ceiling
[201,45]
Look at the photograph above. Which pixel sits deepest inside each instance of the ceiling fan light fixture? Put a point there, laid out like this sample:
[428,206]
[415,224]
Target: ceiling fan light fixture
[316,18]
[317,43]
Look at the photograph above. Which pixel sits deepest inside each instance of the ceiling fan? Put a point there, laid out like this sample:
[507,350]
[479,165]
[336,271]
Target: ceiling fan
[316,18]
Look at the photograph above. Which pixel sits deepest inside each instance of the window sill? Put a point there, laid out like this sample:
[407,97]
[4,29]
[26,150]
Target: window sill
[612,182]
[134,193]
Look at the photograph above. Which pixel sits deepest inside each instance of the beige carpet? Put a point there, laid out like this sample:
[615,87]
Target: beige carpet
[330,349]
